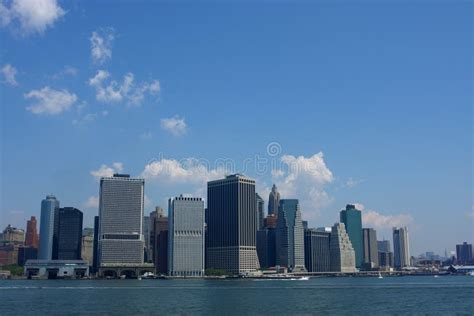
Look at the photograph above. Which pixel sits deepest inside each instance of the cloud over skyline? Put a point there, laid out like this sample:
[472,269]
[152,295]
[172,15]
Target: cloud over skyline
[9,74]
[175,125]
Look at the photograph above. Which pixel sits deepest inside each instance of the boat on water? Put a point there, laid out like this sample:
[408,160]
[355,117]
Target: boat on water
[436,276]
[470,273]
[380,276]
[123,277]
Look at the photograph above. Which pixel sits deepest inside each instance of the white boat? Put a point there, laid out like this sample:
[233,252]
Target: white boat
[436,276]
[304,278]
[470,273]
[123,276]
[380,276]
[139,278]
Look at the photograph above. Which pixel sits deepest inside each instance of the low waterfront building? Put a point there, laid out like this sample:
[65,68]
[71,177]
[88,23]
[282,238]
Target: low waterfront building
[53,269]
[342,254]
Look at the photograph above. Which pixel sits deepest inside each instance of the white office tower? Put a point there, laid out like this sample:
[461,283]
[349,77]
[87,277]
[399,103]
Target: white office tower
[186,237]
[121,240]
[401,248]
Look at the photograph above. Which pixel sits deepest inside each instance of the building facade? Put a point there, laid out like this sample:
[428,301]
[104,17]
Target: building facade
[160,243]
[342,257]
[317,254]
[290,236]
[49,212]
[69,234]
[273,201]
[371,254]
[464,253]
[401,249]
[260,211]
[186,237]
[13,235]
[232,225]
[121,239]
[352,219]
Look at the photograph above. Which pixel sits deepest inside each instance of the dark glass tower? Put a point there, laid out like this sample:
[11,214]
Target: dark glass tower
[316,250]
[69,234]
[260,211]
[371,257]
[232,225]
[352,219]
[273,201]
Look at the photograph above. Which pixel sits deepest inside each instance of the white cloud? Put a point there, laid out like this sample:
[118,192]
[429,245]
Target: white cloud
[174,125]
[101,44]
[50,101]
[106,171]
[30,16]
[305,178]
[351,183]
[379,221]
[187,171]
[359,206]
[114,92]
[89,118]
[9,73]
[92,202]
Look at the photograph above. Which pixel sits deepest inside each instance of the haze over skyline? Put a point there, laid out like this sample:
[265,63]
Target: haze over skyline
[345,103]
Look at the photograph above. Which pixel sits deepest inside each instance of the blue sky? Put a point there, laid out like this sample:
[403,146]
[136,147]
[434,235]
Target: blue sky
[368,103]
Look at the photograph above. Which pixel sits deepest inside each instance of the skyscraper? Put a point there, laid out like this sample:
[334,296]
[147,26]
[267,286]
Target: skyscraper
[95,250]
[401,250]
[316,250]
[153,215]
[383,245]
[121,238]
[352,219]
[464,253]
[186,237]
[146,236]
[341,250]
[371,255]
[273,201]
[290,236]
[260,211]
[69,238]
[160,249]
[49,210]
[32,238]
[232,226]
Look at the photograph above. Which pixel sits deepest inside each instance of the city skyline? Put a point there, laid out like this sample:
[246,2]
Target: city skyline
[369,109]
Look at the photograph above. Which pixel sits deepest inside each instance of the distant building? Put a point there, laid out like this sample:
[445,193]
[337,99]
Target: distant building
[371,255]
[232,225]
[386,260]
[270,221]
[464,253]
[32,238]
[383,246]
[186,237]
[87,250]
[153,215]
[95,250]
[121,239]
[13,235]
[69,234]
[8,253]
[342,253]
[273,201]
[260,211]
[160,249]
[49,211]
[401,248]
[352,219]
[290,236]
[266,247]
[317,253]
[146,235]
[26,253]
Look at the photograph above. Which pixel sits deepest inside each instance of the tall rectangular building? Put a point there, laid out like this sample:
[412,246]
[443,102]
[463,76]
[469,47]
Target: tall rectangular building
[290,236]
[69,234]
[352,219]
[260,211]
[464,253]
[32,238]
[401,250]
[49,211]
[186,237]
[371,255]
[232,226]
[160,242]
[121,239]
[316,250]
[342,252]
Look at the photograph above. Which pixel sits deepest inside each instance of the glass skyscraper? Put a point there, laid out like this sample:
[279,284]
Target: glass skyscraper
[316,250]
[260,211]
[290,236]
[273,201]
[371,256]
[232,225]
[49,210]
[352,219]
[69,234]
[401,249]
